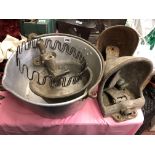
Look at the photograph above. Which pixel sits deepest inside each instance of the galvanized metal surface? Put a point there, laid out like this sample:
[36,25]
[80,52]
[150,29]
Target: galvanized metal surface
[19,84]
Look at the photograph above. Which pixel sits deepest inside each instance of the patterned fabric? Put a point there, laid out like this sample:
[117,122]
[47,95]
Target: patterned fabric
[148,109]
[11,27]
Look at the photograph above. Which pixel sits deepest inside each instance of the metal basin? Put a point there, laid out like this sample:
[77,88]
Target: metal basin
[72,51]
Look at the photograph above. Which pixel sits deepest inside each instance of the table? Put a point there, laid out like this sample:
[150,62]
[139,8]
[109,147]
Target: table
[80,118]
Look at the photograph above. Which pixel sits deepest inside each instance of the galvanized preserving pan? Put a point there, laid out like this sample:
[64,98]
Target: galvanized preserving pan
[59,71]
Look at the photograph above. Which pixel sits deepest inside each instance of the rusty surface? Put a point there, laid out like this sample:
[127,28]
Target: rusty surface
[53,87]
[120,93]
[123,37]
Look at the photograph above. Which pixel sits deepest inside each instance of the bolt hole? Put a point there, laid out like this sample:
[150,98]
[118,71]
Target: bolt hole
[118,117]
[133,112]
[50,56]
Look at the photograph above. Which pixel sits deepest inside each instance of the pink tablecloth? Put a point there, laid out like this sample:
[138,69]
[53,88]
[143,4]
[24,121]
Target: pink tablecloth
[83,117]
